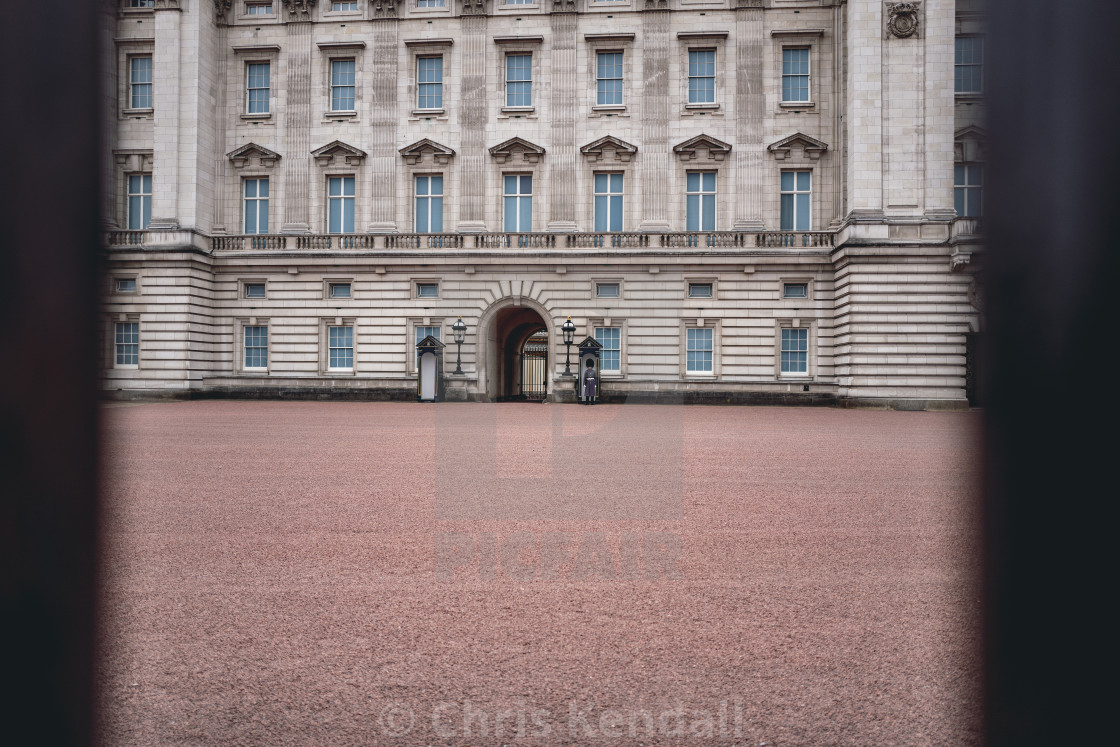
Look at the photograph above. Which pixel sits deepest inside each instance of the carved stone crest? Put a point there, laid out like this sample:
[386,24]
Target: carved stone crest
[384,8]
[299,7]
[902,19]
[474,7]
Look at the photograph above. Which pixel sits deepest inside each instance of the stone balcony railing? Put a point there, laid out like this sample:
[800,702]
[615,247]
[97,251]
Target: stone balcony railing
[699,240]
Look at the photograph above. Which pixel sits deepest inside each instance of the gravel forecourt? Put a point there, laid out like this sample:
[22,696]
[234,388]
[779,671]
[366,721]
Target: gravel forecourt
[338,573]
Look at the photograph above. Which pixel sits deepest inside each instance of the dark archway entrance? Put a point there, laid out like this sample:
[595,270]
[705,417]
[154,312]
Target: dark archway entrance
[517,355]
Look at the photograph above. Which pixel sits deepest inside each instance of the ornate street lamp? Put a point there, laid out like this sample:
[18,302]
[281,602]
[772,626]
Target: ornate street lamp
[459,329]
[569,331]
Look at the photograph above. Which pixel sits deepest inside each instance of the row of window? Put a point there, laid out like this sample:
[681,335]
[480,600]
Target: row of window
[699,347]
[518,81]
[517,202]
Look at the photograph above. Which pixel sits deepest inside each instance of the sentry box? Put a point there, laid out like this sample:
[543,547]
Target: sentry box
[429,382]
[588,379]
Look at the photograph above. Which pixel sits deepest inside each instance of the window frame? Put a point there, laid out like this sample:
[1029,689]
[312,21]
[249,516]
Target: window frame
[782,192]
[621,104]
[964,189]
[779,348]
[595,195]
[808,76]
[807,282]
[701,194]
[596,282]
[116,353]
[325,325]
[331,85]
[257,200]
[689,77]
[517,197]
[131,84]
[243,352]
[248,112]
[426,282]
[114,285]
[509,54]
[608,323]
[353,198]
[421,58]
[129,194]
[428,197]
[336,284]
[700,324]
[244,284]
[957,66]
[246,13]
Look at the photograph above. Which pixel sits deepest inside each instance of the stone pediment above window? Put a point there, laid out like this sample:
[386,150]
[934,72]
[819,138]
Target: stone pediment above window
[515,146]
[415,153]
[970,144]
[134,160]
[810,147]
[609,148]
[348,153]
[243,155]
[702,147]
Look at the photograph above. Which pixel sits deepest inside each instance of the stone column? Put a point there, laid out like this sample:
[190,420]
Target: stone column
[562,161]
[864,90]
[297,122]
[473,104]
[750,102]
[653,158]
[383,154]
[166,81]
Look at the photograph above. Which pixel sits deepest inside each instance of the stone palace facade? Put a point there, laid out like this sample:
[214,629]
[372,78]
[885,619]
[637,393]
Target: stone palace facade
[741,200]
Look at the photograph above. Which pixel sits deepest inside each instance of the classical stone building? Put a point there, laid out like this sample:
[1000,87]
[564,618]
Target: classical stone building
[741,200]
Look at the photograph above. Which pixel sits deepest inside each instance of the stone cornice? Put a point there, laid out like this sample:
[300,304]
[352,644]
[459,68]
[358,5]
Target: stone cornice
[530,152]
[325,155]
[597,150]
[812,147]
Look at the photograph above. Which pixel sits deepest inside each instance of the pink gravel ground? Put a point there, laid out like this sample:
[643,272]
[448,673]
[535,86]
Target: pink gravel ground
[313,573]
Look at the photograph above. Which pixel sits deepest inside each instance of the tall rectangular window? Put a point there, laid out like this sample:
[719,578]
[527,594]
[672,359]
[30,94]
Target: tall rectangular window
[518,203]
[969,68]
[127,343]
[608,202]
[968,189]
[421,333]
[340,212]
[340,347]
[140,82]
[429,79]
[795,75]
[139,201]
[256,347]
[519,80]
[795,351]
[257,87]
[609,79]
[429,204]
[701,76]
[342,85]
[698,350]
[700,199]
[796,191]
[610,356]
[256,205]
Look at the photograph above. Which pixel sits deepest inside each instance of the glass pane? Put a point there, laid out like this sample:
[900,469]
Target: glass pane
[787,213]
[959,175]
[262,187]
[334,186]
[803,181]
[348,186]
[616,184]
[709,215]
[348,215]
[601,182]
[787,181]
[526,214]
[510,213]
[335,216]
[616,213]
[802,223]
[421,185]
[436,183]
[526,185]
[510,185]
[250,216]
[262,216]
[250,187]
[975,175]
[437,214]
[692,218]
[421,215]
[693,182]
[974,196]
[601,213]
[709,181]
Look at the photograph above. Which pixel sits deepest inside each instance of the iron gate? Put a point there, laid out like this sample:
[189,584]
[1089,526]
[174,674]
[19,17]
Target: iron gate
[534,367]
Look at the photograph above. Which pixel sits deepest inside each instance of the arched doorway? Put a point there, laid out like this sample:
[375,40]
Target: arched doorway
[516,353]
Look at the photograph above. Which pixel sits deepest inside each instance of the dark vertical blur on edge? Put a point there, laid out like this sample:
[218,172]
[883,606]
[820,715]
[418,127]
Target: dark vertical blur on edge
[1052,223]
[49,132]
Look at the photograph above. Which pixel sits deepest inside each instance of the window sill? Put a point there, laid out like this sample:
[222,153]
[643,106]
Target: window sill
[705,374]
[257,117]
[137,112]
[124,367]
[256,372]
[518,109]
[340,115]
[969,95]
[428,112]
[609,108]
[702,107]
[797,105]
[339,372]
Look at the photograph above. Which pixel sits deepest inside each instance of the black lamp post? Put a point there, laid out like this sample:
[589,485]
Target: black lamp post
[569,331]
[459,329]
